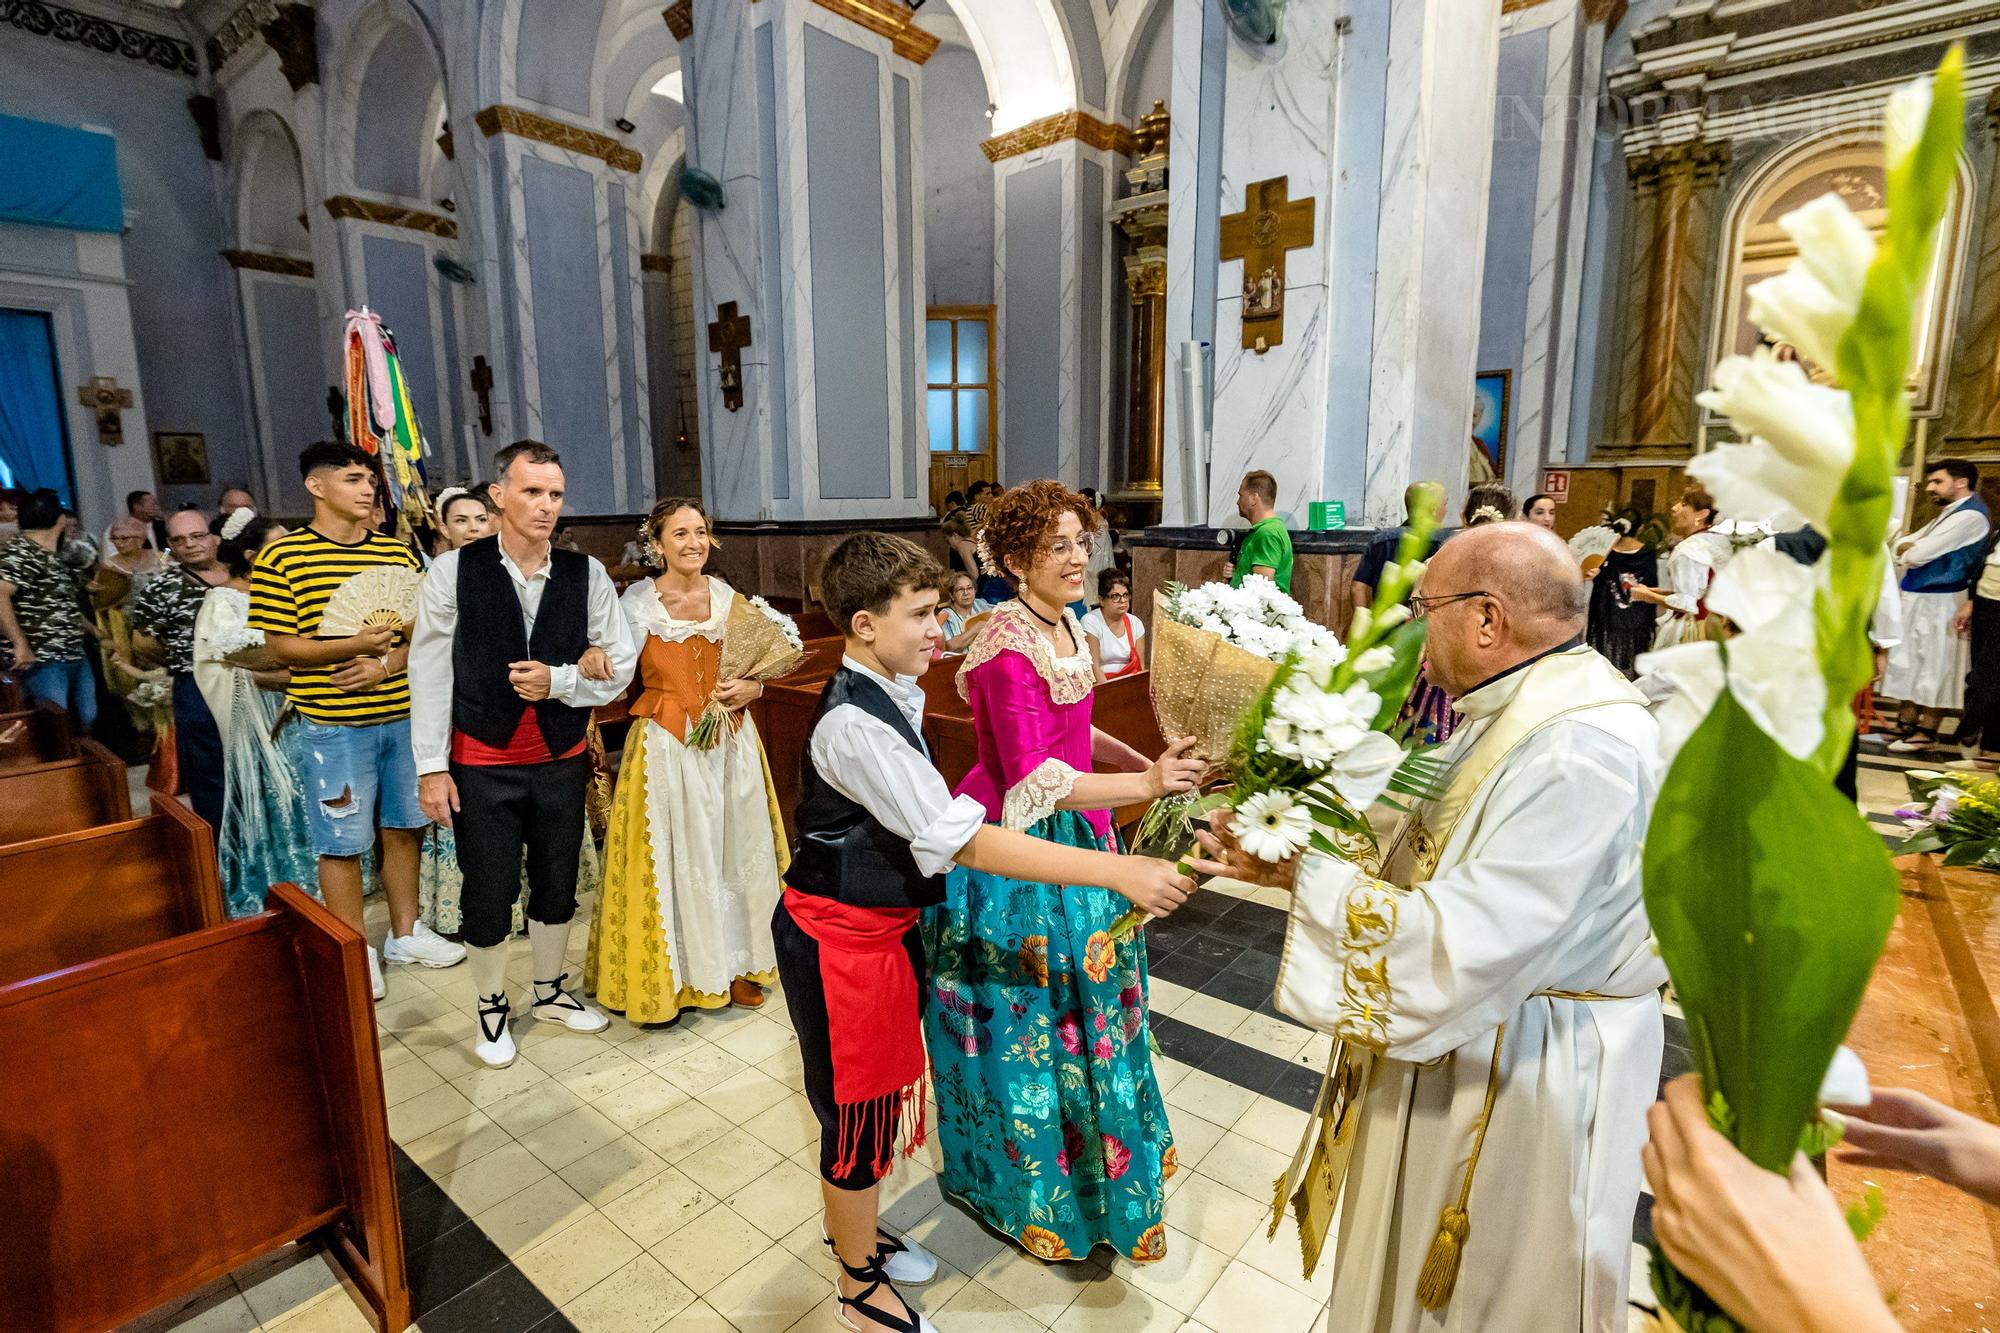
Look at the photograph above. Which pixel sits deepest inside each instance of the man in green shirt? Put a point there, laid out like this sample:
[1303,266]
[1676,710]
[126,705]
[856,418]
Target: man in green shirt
[1267,547]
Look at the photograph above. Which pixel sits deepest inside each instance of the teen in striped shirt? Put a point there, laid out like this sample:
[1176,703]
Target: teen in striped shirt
[353,702]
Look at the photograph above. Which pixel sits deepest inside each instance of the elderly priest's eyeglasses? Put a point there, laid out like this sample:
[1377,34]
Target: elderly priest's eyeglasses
[1425,605]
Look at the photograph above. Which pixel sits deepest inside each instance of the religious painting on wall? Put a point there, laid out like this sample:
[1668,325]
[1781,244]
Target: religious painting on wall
[180,459]
[1489,427]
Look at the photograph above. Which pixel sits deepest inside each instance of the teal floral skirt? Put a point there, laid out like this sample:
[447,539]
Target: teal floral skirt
[1049,1117]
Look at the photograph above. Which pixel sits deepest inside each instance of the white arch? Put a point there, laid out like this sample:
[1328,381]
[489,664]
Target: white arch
[1132,25]
[379,23]
[1937,312]
[261,142]
[1030,70]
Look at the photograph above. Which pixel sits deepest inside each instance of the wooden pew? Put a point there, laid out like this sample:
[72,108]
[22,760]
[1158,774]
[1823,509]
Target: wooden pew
[59,796]
[188,1106]
[87,894]
[47,734]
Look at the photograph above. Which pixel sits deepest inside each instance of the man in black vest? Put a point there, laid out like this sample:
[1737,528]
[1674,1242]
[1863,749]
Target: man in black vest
[516,641]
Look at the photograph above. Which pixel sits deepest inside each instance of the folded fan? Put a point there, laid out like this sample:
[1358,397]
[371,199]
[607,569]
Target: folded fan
[384,595]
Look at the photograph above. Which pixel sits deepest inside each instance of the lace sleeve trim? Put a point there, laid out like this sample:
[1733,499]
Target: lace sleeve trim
[1035,797]
[223,628]
[1069,678]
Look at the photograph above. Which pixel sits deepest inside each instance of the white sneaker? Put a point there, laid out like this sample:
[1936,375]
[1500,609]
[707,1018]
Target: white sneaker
[495,1047]
[423,945]
[553,1004]
[906,1263]
[375,974]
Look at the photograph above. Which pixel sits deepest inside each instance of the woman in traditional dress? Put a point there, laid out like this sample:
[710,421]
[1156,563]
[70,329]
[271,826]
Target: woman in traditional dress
[1117,637]
[464,517]
[1692,565]
[696,845]
[1049,1115]
[1621,629]
[264,838]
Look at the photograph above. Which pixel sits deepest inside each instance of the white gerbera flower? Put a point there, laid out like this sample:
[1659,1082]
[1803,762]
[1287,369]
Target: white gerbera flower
[1272,826]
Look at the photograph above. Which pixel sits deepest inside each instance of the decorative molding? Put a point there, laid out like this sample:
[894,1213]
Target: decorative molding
[1512,6]
[522,124]
[156,50]
[1705,162]
[208,124]
[1607,12]
[239,30]
[656,263]
[1052,130]
[680,19]
[887,18]
[392,215]
[258,261]
[294,35]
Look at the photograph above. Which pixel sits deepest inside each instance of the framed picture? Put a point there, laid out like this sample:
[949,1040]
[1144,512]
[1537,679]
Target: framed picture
[180,459]
[1489,426]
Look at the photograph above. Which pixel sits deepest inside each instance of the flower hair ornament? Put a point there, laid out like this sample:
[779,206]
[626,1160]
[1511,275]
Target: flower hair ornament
[984,555]
[1487,514]
[239,519]
[447,495]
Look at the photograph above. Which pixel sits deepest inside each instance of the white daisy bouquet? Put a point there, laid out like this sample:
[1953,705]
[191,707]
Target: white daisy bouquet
[1320,743]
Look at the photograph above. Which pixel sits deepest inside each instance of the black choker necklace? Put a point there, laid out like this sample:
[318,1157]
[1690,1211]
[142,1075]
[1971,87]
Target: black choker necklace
[1037,614]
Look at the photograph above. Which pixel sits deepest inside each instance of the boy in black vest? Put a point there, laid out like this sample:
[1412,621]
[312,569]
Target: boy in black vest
[877,830]
[516,642]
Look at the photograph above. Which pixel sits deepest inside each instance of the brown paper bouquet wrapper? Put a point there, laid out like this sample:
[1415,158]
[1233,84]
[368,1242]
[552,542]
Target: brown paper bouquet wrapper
[1202,685]
[754,647]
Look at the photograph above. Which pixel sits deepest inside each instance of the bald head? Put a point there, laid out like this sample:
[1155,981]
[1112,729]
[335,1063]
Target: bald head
[1536,600]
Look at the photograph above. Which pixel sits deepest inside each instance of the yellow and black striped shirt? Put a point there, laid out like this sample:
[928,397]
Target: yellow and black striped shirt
[289,587]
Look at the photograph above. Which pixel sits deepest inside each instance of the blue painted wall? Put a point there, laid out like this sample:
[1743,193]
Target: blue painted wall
[1519,105]
[958,182]
[397,278]
[850,297]
[915,429]
[557,48]
[287,316]
[1030,432]
[181,290]
[561,217]
[1091,227]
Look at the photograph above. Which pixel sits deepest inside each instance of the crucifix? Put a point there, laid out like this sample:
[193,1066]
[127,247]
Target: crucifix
[482,384]
[104,394]
[1269,225]
[729,335]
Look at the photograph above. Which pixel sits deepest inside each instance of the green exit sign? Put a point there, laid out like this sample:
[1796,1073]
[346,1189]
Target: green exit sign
[1327,515]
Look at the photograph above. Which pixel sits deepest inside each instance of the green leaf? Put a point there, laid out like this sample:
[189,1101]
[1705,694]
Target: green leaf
[1865,1216]
[1967,853]
[1424,774]
[1771,901]
[1926,841]
[1392,685]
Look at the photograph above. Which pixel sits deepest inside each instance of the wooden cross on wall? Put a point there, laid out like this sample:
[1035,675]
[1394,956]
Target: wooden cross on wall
[104,394]
[729,335]
[1270,224]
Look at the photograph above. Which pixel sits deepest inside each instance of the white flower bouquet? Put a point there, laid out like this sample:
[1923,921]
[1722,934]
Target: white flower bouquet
[1769,895]
[759,642]
[1319,743]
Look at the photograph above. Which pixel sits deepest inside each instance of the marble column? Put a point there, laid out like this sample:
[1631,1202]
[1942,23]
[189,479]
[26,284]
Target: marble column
[1382,114]
[1051,282]
[1680,179]
[806,113]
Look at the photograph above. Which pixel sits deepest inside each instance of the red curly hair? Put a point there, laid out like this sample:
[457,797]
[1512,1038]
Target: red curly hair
[1022,522]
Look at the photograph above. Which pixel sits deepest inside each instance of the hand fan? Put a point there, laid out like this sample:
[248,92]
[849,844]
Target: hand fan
[1592,545]
[384,595]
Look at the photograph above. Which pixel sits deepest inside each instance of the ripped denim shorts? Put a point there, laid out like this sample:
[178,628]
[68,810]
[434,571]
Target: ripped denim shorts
[356,779]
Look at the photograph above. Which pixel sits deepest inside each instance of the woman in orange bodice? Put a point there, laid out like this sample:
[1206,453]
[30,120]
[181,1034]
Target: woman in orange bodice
[695,846]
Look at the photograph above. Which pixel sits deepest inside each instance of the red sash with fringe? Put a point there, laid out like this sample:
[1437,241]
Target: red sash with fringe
[873,1030]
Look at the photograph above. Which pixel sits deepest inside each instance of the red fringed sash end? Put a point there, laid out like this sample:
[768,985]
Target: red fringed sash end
[893,1120]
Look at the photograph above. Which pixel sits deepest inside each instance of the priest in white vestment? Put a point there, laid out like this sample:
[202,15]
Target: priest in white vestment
[1507,927]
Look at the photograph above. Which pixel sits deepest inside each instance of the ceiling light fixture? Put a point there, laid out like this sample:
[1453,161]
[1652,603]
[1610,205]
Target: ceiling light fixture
[624,126]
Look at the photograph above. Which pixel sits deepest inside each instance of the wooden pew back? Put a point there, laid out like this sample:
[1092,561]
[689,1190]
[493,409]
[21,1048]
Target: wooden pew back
[184,1132]
[46,736]
[94,892]
[38,800]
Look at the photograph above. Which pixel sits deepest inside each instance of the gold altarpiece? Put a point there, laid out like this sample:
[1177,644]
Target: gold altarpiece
[1140,214]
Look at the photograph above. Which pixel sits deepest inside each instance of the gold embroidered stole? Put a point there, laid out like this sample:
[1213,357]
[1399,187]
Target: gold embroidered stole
[1558,686]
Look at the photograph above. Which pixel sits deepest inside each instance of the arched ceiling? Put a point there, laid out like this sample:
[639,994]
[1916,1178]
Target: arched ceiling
[1024,48]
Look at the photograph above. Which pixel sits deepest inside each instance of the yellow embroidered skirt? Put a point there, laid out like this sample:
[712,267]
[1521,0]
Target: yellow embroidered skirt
[693,860]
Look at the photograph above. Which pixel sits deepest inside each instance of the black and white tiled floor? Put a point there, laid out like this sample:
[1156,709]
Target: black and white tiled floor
[654,1179]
